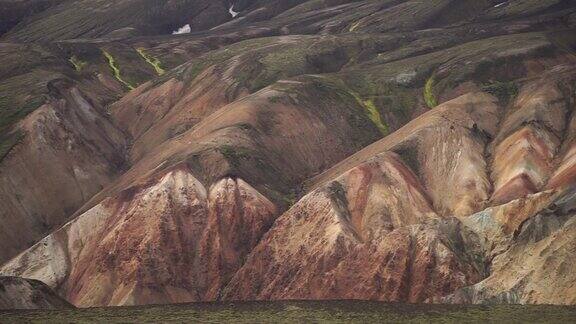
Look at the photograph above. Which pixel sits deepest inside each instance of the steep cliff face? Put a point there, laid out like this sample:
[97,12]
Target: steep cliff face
[402,151]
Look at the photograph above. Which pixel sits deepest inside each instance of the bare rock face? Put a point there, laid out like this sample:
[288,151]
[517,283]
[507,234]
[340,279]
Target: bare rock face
[528,141]
[18,293]
[170,241]
[536,268]
[377,228]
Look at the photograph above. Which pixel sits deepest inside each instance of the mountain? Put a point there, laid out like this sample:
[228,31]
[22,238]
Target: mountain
[408,151]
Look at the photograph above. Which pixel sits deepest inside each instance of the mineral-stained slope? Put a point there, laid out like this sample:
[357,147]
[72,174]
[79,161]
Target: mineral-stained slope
[317,249]
[82,159]
[380,211]
[58,143]
[410,151]
[530,137]
[173,240]
[18,293]
[370,234]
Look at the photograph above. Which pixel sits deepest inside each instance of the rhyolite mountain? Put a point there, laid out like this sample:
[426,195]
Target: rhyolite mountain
[392,150]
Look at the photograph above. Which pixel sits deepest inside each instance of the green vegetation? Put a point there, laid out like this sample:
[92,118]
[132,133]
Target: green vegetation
[275,99]
[268,66]
[234,155]
[290,199]
[429,95]
[409,155]
[78,63]
[192,72]
[261,62]
[371,112]
[116,70]
[300,312]
[504,91]
[354,26]
[151,60]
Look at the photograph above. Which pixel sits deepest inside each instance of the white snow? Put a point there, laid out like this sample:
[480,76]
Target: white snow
[232,12]
[182,30]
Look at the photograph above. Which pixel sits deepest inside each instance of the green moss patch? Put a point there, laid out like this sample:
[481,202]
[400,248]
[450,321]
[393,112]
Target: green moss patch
[77,63]
[354,26]
[504,91]
[429,95]
[154,62]
[116,70]
[372,113]
[234,155]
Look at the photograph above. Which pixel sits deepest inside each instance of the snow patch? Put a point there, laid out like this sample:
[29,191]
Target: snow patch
[79,173]
[232,12]
[183,30]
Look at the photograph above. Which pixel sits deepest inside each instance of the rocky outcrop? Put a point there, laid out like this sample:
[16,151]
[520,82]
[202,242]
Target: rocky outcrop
[446,146]
[374,232]
[18,293]
[536,266]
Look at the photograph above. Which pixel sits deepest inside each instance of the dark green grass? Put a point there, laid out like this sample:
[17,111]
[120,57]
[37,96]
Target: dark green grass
[301,312]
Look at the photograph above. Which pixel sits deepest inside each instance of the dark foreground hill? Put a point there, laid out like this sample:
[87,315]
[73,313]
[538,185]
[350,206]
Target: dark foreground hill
[17,293]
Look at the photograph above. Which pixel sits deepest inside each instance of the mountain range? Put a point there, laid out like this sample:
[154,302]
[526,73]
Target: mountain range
[171,151]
